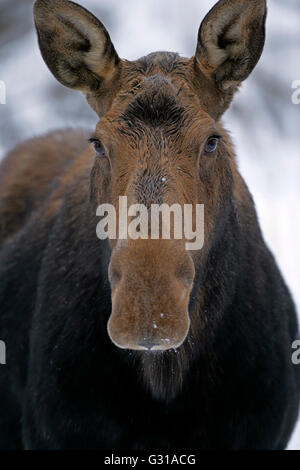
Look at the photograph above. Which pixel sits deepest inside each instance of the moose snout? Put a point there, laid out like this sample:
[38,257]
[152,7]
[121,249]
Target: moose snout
[150,297]
[133,329]
[148,344]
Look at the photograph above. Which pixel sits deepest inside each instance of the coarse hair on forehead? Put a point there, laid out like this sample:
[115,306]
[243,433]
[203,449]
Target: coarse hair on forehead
[154,110]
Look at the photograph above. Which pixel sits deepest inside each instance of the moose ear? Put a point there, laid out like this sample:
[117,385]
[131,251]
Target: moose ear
[76,47]
[230,41]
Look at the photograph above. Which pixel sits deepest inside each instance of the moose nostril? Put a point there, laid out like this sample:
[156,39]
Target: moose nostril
[186,272]
[147,344]
[114,276]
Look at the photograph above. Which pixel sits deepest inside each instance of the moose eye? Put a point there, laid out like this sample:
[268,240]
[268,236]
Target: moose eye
[211,144]
[98,147]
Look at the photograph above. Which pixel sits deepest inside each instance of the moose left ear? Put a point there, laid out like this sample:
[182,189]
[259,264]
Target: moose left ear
[78,50]
[230,41]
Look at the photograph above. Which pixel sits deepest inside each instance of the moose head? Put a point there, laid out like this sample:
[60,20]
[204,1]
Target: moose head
[159,140]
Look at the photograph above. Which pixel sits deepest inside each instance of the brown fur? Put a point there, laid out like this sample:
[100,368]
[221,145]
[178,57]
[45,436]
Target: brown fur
[30,173]
[159,113]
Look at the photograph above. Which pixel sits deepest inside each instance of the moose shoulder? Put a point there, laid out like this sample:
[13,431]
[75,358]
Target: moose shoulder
[140,343]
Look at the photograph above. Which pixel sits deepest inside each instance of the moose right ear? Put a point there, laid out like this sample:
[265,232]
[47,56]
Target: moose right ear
[78,50]
[230,42]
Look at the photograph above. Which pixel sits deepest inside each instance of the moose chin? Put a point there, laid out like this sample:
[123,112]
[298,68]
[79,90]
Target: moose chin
[139,343]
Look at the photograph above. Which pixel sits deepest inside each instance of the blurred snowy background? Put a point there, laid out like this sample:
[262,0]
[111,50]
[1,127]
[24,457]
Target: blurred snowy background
[264,122]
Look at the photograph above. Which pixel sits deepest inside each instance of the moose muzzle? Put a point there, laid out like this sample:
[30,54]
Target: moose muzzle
[151,283]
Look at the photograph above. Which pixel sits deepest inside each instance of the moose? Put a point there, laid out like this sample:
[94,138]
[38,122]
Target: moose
[133,343]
